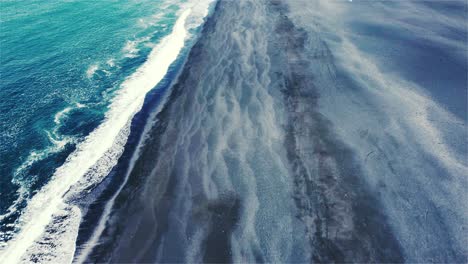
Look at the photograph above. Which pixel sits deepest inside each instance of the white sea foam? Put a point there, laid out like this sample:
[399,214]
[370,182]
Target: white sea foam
[110,62]
[131,49]
[86,249]
[92,160]
[91,70]
[60,115]
[63,114]
[196,19]
[19,177]
[22,193]
[58,143]
[156,18]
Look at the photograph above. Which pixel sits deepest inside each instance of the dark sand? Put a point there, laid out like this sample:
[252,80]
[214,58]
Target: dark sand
[243,166]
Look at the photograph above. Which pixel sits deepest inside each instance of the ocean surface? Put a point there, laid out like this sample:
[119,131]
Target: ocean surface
[73,75]
[233,131]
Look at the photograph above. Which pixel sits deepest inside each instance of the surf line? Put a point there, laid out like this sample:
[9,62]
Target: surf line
[129,101]
[94,239]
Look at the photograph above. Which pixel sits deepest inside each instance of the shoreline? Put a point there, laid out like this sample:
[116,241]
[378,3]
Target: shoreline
[56,216]
[261,155]
[93,203]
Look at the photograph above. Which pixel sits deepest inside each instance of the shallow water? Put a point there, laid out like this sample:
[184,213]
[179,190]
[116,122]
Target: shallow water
[77,92]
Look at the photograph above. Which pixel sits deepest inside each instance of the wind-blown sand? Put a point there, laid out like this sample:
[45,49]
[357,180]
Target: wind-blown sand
[283,143]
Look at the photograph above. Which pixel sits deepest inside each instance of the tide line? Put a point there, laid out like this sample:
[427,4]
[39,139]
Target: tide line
[102,141]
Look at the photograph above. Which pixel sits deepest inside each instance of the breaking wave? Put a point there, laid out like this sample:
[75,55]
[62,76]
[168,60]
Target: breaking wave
[49,220]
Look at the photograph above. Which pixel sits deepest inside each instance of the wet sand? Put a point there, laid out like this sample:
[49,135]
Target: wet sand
[242,164]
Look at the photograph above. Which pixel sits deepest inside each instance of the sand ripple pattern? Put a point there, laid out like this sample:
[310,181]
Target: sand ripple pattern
[268,151]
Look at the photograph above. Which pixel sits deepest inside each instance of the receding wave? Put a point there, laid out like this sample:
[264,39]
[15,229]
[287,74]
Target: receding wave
[48,213]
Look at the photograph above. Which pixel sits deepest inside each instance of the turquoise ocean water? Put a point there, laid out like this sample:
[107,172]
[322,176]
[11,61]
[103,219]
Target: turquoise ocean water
[63,67]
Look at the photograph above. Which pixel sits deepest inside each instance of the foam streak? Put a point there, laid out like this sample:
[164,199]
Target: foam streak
[128,102]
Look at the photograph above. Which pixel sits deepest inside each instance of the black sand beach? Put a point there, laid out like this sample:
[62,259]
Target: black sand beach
[247,161]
